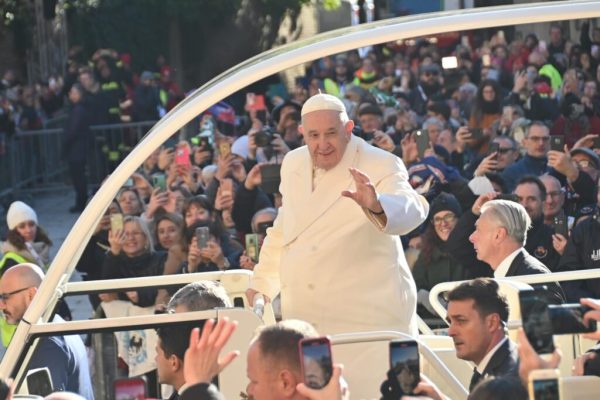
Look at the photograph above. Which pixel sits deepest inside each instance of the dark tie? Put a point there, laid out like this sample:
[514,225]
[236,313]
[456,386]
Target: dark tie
[475,379]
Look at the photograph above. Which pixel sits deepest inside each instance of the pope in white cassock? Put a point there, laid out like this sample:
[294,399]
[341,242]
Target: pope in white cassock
[333,252]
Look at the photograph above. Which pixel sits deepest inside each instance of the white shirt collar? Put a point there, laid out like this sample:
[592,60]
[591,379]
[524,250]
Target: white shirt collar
[503,267]
[483,364]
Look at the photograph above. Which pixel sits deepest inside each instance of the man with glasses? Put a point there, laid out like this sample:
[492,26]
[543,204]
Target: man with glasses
[496,162]
[536,144]
[428,88]
[64,356]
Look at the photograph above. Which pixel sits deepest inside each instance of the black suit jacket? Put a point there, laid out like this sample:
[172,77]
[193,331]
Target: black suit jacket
[526,264]
[504,362]
[201,391]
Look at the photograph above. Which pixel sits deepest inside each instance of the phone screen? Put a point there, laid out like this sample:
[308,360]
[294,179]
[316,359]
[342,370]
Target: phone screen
[568,318]
[130,388]
[39,382]
[404,362]
[476,133]
[536,320]
[557,143]
[422,139]
[202,235]
[317,365]
[224,149]
[546,389]
[252,246]
[116,222]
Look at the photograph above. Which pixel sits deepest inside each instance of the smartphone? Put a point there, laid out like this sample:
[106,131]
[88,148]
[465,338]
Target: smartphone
[159,181]
[263,226]
[255,102]
[449,62]
[252,246]
[202,235]
[476,133]
[596,144]
[182,155]
[404,362]
[224,149]
[316,361]
[422,139]
[270,178]
[494,148]
[39,382]
[542,45]
[561,225]
[568,318]
[226,187]
[130,388]
[508,196]
[544,384]
[116,222]
[536,320]
[557,143]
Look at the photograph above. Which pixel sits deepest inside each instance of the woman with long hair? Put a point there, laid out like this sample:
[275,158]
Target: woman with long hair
[435,264]
[487,106]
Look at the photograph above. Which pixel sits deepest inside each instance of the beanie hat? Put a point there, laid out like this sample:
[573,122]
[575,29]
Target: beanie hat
[19,212]
[445,202]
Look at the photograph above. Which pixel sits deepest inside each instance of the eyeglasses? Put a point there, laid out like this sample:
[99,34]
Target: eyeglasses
[539,138]
[6,296]
[504,150]
[448,219]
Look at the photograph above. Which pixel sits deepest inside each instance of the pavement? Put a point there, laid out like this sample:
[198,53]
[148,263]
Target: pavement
[53,213]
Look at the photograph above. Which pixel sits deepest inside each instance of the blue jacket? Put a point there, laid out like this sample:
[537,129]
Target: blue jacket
[527,165]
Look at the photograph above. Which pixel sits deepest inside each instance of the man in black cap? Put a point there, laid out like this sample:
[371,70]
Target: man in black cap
[428,88]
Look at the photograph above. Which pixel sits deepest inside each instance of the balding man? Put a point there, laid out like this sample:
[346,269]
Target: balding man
[64,356]
[334,250]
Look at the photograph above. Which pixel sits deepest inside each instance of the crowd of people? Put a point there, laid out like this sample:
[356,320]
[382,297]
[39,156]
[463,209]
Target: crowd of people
[505,183]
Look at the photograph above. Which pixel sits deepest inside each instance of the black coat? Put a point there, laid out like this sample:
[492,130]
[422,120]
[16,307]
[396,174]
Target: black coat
[539,244]
[582,252]
[526,264]
[77,134]
[147,264]
[201,391]
[504,363]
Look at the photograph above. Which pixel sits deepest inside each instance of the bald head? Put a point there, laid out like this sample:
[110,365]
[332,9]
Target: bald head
[27,274]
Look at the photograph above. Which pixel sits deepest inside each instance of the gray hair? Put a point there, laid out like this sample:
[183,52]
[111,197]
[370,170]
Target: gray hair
[268,210]
[144,228]
[200,296]
[511,216]
[433,121]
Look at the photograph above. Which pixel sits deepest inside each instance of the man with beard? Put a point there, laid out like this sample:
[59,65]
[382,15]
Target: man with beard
[531,193]
[428,88]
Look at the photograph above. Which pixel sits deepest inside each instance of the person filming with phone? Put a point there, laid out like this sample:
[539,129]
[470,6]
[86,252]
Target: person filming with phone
[344,205]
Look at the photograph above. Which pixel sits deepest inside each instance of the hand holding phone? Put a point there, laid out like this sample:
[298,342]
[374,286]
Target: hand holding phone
[202,236]
[422,139]
[404,363]
[557,143]
[536,319]
[544,384]
[116,222]
[316,361]
[568,319]
[252,246]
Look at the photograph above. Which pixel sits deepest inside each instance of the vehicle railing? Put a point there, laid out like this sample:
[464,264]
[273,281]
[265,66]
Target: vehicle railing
[259,67]
[437,290]
[432,359]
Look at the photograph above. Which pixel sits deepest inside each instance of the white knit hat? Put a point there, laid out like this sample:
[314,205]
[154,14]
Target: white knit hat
[323,101]
[19,212]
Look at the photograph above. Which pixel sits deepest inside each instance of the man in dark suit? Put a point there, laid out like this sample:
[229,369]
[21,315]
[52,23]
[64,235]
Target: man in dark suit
[499,236]
[477,314]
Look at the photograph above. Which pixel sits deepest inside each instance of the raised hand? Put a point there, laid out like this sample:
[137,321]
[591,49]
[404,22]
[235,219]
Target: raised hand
[365,194]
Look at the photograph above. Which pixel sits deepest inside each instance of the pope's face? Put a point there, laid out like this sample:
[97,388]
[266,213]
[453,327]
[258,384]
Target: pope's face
[326,136]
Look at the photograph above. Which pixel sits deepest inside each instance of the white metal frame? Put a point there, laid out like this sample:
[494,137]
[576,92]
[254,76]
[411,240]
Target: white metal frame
[241,76]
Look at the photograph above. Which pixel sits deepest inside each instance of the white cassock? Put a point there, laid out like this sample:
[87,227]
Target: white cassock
[333,264]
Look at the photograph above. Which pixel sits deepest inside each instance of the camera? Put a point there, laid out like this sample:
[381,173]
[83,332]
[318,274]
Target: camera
[264,137]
